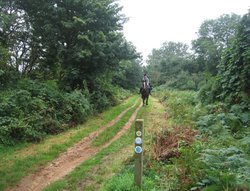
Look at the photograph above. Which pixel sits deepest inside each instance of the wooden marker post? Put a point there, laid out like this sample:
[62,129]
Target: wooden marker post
[139,131]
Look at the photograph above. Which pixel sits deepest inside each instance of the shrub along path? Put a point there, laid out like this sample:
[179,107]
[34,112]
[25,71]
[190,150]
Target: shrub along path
[67,161]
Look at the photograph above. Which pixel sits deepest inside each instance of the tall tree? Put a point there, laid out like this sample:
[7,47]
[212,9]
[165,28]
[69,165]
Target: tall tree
[15,34]
[72,40]
[213,37]
[234,70]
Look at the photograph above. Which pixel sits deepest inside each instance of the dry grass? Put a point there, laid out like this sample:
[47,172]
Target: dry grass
[167,146]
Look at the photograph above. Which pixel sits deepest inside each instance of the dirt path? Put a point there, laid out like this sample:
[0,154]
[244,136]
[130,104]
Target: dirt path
[155,119]
[69,160]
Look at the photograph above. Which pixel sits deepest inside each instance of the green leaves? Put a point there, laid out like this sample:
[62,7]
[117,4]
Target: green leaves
[235,68]
[214,36]
[230,162]
[35,109]
[170,63]
[53,38]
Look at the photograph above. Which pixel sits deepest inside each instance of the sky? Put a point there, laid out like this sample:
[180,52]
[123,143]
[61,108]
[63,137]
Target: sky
[153,22]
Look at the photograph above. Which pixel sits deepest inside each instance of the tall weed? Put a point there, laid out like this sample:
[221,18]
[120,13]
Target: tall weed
[222,162]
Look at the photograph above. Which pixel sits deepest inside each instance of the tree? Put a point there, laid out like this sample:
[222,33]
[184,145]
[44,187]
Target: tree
[129,74]
[15,34]
[213,37]
[76,40]
[167,62]
[234,70]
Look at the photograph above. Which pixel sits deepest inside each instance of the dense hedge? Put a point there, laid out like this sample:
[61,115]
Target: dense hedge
[32,110]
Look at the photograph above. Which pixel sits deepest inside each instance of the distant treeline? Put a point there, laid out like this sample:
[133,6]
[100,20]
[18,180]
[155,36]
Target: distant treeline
[218,63]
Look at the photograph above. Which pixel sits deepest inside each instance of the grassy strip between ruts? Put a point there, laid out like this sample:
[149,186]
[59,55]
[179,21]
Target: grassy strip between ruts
[113,164]
[17,162]
[74,179]
[124,177]
[112,131]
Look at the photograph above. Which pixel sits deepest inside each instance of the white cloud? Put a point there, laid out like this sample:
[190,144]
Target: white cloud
[152,22]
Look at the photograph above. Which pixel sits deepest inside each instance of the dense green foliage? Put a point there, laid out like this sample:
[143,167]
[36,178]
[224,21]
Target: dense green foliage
[70,41]
[60,62]
[232,82]
[34,109]
[235,66]
[219,110]
[213,37]
[219,157]
[172,65]
[218,67]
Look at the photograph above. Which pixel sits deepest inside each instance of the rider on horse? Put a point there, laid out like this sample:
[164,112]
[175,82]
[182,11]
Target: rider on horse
[146,84]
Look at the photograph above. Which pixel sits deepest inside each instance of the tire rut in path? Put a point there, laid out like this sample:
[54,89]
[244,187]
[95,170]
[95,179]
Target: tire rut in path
[74,156]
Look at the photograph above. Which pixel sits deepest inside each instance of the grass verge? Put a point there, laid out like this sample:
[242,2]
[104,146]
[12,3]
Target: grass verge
[16,162]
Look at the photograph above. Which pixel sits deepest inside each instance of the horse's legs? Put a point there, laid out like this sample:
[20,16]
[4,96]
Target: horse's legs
[147,101]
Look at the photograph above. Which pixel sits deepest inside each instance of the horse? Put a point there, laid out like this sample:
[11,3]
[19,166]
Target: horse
[145,94]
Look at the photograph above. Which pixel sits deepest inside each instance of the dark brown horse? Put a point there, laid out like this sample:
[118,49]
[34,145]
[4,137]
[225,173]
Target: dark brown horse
[145,94]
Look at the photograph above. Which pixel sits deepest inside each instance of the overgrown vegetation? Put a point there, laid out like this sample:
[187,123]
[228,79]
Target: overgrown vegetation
[33,110]
[60,62]
[219,157]
[219,110]
[63,61]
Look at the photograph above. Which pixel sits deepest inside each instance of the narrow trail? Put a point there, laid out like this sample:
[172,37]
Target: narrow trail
[74,156]
[155,118]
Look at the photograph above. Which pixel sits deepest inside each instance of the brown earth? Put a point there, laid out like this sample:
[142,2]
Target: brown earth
[69,160]
[167,145]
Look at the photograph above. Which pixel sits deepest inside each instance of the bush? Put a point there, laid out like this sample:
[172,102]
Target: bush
[77,106]
[210,90]
[32,110]
[219,117]
[101,101]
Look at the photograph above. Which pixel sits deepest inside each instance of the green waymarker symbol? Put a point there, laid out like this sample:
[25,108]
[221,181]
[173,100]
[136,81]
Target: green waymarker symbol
[138,149]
